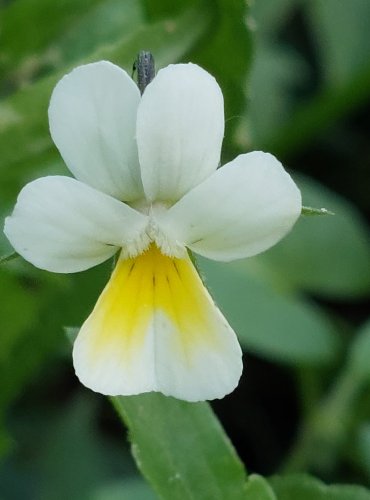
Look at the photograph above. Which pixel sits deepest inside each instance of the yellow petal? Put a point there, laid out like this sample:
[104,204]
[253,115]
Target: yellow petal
[156,328]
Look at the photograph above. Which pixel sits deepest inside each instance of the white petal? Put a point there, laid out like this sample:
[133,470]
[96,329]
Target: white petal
[241,210]
[92,116]
[155,328]
[180,126]
[62,225]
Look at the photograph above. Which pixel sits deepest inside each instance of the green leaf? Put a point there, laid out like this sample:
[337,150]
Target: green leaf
[102,25]
[159,9]
[363,447]
[280,328]
[343,38]
[39,22]
[129,489]
[71,460]
[226,52]
[328,256]
[276,74]
[359,354]
[259,489]
[268,17]
[181,448]
[304,487]
[278,120]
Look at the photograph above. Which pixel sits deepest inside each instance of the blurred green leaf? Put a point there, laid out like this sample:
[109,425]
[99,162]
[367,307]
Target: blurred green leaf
[277,327]
[328,256]
[61,451]
[312,117]
[181,448]
[131,489]
[288,107]
[226,52]
[304,487]
[159,9]
[21,350]
[259,489]
[267,16]
[342,35]
[359,354]
[71,461]
[38,22]
[363,447]
[277,73]
[105,23]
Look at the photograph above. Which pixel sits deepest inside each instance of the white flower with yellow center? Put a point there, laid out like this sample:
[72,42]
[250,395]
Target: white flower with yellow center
[147,184]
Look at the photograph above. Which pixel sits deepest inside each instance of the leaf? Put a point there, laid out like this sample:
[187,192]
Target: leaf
[104,24]
[227,54]
[277,73]
[363,447]
[71,460]
[159,9]
[342,38]
[328,256]
[26,17]
[259,489]
[304,487]
[280,328]
[279,120]
[181,448]
[268,16]
[359,354]
[129,489]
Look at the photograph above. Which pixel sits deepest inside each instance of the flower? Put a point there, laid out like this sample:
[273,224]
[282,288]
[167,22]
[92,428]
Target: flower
[147,183]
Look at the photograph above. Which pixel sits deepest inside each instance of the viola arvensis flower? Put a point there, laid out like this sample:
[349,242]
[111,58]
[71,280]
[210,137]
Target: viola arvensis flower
[147,184]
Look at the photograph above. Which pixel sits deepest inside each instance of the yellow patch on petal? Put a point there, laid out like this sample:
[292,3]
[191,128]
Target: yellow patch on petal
[141,286]
[155,327]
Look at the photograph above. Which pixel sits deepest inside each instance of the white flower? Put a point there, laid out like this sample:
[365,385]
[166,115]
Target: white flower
[147,183]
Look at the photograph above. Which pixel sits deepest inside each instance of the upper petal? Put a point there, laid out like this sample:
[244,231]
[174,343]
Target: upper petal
[241,210]
[62,225]
[92,117]
[180,126]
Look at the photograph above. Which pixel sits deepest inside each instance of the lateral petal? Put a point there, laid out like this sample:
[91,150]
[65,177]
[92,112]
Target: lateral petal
[180,127]
[92,117]
[241,210]
[62,225]
[156,328]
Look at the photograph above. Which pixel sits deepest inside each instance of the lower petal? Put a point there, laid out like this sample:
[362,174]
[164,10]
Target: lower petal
[156,328]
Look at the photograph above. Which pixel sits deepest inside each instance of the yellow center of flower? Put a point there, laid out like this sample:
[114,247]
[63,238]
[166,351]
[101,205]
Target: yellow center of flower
[151,292]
